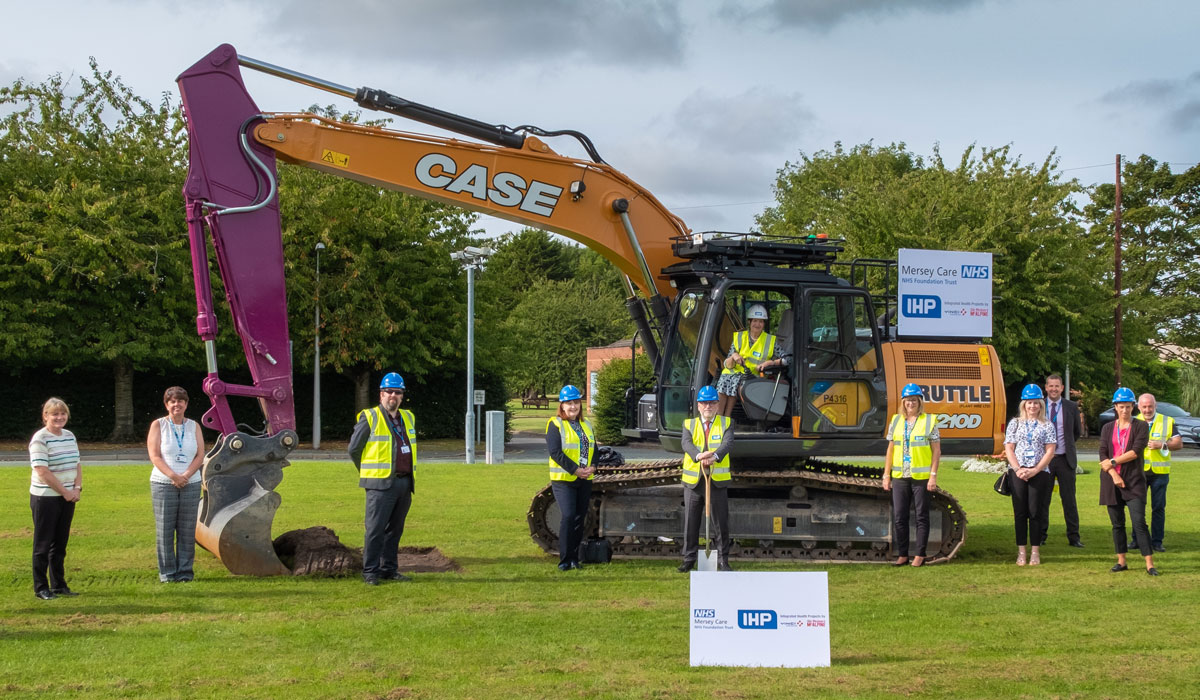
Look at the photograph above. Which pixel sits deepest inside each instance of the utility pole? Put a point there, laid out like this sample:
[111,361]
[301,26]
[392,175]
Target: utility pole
[471,259]
[316,440]
[1117,273]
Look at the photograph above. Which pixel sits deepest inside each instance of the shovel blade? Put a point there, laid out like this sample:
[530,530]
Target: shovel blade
[707,561]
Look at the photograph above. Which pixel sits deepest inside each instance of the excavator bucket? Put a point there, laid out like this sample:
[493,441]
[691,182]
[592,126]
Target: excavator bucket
[239,501]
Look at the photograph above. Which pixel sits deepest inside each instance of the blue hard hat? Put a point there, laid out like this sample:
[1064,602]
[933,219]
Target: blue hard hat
[391,380]
[706,393]
[1123,395]
[1032,392]
[570,392]
[910,389]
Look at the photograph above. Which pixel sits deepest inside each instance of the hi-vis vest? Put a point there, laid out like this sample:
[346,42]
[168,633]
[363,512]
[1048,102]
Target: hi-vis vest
[1160,429]
[716,433]
[762,350]
[920,451]
[570,445]
[377,453]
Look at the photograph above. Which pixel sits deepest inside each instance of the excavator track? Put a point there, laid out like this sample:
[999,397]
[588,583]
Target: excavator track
[848,480]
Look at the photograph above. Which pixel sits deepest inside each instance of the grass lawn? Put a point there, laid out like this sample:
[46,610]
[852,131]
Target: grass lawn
[530,420]
[511,625]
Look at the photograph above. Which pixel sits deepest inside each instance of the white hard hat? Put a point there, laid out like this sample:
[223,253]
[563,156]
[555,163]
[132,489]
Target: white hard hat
[757,311]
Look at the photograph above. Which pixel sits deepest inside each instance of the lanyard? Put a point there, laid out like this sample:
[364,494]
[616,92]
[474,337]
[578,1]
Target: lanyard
[178,435]
[1120,441]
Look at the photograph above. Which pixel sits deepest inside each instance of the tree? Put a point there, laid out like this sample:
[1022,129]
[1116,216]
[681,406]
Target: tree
[554,324]
[391,298]
[881,199]
[1160,247]
[93,245]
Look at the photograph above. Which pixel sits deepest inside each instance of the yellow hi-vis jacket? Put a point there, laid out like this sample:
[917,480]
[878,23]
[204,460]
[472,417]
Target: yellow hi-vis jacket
[376,461]
[1155,460]
[920,451]
[570,445]
[762,350]
[720,468]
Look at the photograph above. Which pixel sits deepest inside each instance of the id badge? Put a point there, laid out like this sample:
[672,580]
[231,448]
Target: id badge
[179,459]
[1030,457]
[405,449]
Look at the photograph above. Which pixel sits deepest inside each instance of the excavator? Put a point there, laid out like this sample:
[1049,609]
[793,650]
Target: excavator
[688,294]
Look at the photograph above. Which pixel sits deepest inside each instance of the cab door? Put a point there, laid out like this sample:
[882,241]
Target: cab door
[841,388]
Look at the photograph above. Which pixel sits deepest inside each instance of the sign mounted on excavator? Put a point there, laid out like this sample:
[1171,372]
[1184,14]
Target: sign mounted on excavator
[440,171]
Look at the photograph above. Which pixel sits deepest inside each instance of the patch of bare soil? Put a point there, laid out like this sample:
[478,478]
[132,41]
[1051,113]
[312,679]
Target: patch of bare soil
[317,551]
[426,560]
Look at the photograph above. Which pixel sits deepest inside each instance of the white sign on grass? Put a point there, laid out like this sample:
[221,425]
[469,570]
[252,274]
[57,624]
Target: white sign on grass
[759,618]
[945,293]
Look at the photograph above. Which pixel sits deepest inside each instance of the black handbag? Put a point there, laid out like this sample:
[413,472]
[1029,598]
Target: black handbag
[596,550]
[1003,485]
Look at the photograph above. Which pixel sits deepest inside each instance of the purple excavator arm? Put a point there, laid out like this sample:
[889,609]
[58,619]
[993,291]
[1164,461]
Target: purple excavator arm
[231,194]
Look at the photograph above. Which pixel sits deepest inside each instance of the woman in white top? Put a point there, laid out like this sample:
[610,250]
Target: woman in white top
[176,448]
[54,489]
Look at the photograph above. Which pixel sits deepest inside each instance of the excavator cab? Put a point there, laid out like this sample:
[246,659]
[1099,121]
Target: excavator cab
[830,395]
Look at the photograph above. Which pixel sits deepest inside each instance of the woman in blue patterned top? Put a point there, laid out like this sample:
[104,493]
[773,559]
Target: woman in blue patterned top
[1029,446]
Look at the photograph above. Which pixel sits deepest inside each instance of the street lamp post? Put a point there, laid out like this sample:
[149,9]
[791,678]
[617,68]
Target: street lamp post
[316,440]
[472,259]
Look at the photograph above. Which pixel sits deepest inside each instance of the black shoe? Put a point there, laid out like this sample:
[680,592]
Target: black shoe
[1077,543]
[45,595]
[1042,543]
[371,580]
[724,566]
[64,591]
[1152,571]
[575,565]
[395,576]
[1119,567]
[1158,548]
[565,566]
[1132,545]
[686,567]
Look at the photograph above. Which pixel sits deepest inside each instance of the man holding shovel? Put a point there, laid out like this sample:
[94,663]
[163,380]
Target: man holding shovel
[707,440]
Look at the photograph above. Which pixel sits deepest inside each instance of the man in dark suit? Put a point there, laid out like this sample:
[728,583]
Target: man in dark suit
[1064,414]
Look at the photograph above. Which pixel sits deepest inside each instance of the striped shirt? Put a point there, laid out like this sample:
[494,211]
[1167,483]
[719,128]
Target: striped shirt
[60,453]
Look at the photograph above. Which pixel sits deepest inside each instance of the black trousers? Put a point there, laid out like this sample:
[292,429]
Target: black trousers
[1137,513]
[1031,508]
[52,517]
[573,499]
[1062,472]
[386,512]
[906,494]
[693,518]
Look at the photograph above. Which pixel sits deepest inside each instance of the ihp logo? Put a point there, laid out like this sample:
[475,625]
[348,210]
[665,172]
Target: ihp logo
[758,619]
[975,272]
[921,306]
[704,613]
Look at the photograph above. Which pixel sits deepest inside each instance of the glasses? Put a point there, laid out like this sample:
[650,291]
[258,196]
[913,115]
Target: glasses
[394,392]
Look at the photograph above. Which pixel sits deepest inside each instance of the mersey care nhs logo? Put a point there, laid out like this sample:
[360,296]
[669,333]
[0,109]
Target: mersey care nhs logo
[704,613]
[921,306]
[975,272]
[757,619]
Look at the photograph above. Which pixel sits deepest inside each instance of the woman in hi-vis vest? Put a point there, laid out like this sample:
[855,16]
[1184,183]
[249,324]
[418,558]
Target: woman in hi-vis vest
[1029,444]
[910,470]
[571,444]
[750,351]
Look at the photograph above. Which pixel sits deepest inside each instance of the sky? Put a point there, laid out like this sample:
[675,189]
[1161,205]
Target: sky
[703,101]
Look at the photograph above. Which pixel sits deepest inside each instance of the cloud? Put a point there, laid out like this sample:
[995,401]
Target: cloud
[1176,102]
[714,151]
[825,14]
[487,35]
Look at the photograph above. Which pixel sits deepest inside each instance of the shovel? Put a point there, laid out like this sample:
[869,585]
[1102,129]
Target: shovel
[708,560]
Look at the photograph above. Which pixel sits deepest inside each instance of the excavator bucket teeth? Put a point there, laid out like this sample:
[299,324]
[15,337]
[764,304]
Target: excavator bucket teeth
[239,502]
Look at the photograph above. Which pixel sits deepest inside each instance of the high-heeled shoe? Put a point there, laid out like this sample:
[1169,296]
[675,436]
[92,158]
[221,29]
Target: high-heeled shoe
[1035,559]
[1020,558]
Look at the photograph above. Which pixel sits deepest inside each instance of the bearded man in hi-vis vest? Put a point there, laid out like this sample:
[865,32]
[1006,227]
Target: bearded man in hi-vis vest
[707,439]
[384,448]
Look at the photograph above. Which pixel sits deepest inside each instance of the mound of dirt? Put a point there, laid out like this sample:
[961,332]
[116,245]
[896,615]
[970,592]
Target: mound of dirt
[317,551]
